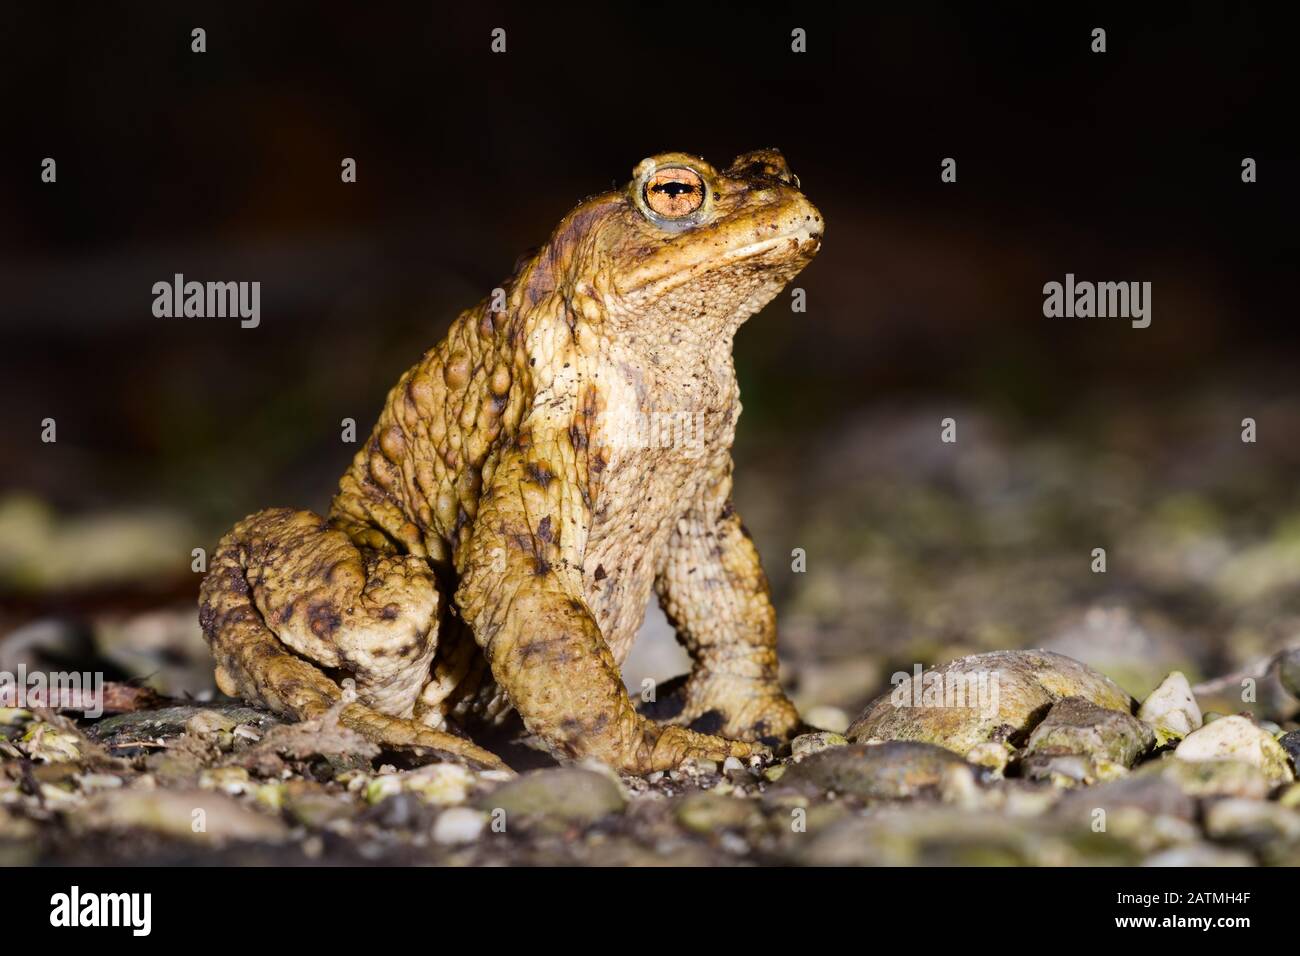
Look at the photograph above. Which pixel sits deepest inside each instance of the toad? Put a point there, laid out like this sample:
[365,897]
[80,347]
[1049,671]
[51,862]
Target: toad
[561,455]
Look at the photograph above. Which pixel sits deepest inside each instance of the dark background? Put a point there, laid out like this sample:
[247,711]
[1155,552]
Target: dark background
[225,165]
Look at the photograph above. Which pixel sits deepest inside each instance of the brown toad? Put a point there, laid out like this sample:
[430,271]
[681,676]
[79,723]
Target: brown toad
[565,450]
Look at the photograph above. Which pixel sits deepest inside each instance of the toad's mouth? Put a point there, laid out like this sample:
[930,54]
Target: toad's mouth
[784,253]
[800,242]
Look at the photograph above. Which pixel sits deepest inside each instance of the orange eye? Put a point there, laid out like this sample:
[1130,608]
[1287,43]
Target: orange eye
[674,192]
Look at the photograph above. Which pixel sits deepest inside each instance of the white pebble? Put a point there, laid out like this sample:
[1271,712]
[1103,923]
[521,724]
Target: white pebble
[1236,738]
[1171,708]
[458,825]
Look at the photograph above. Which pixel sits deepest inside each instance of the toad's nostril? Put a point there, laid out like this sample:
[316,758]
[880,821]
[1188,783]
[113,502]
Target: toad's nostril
[764,163]
[763,171]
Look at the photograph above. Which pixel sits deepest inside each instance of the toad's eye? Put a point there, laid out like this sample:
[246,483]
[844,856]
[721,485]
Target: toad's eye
[674,192]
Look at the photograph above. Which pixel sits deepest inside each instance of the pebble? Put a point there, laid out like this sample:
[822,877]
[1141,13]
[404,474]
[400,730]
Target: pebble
[1151,795]
[175,813]
[316,808]
[699,765]
[1171,709]
[708,813]
[1008,693]
[828,718]
[1237,738]
[401,811]
[806,744]
[231,780]
[992,755]
[1290,742]
[382,787]
[890,770]
[733,843]
[1211,778]
[1251,821]
[99,781]
[457,825]
[1077,731]
[442,784]
[559,797]
[206,722]
[46,743]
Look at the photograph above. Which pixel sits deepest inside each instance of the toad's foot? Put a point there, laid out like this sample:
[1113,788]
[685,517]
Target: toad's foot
[670,745]
[401,733]
[734,707]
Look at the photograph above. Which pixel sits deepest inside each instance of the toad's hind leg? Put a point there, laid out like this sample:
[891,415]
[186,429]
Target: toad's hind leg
[288,598]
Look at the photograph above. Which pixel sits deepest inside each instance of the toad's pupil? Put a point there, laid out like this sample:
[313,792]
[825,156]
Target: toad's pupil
[673,189]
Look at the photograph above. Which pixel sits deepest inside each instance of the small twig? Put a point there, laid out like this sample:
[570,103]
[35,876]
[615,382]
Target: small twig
[1256,671]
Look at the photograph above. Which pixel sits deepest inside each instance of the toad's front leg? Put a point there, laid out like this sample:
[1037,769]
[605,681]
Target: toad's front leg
[521,593]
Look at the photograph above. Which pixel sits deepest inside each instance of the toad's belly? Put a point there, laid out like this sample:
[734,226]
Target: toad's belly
[641,504]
